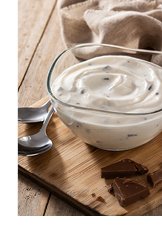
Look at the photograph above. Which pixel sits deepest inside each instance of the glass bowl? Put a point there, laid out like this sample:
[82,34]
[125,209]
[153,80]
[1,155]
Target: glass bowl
[104,129]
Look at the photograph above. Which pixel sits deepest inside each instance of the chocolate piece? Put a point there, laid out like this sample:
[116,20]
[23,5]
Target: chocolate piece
[128,191]
[155,177]
[93,194]
[123,168]
[100,199]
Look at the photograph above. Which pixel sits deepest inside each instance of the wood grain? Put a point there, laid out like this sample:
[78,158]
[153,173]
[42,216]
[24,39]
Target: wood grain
[155,212]
[32,198]
[32,19]
[73,168]
[34,85]
[58,207]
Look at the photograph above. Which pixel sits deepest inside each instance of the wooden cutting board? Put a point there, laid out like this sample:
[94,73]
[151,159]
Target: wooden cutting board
[71,169]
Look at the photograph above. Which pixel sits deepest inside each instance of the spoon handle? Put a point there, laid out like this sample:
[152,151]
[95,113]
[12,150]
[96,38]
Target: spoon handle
[46,121]
[47,104]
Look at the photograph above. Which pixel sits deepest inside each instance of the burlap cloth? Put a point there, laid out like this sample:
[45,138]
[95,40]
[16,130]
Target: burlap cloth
[128,23]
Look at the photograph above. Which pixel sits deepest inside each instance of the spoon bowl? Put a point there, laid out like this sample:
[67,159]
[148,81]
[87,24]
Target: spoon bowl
[38,143]
[33,114]
[34,144]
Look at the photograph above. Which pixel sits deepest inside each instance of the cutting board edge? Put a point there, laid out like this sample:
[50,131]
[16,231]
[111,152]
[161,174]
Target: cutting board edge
[57,192]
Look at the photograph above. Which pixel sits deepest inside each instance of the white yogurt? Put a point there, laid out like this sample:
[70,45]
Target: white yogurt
[119,84]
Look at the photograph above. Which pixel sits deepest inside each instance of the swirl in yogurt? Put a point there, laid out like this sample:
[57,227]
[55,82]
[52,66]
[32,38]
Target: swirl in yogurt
[112,83]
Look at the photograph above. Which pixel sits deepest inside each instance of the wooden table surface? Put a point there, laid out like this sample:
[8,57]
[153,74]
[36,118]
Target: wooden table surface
[39,42]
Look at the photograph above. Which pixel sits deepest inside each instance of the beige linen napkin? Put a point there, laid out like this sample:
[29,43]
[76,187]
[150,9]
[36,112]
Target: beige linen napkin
[128,23]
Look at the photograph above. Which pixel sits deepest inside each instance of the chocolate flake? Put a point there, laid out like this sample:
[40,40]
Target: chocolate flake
[157,93]
[93,195]
[128,191]
[132,135]
[100,199]
[111,190]
[150,87]
[106,68]
[123,168]
[82,91]
[106,78]
[78,125]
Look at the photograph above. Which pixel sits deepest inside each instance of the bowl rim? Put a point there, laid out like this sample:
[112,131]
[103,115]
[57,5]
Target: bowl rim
[51,69]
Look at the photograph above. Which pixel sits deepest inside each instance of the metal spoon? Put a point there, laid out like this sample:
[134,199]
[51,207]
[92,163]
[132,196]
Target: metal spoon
[37,143]
[33,114]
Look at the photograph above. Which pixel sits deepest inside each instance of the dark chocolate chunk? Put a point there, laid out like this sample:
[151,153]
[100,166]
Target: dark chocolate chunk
[123,168]
[128,191]
[155,177]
